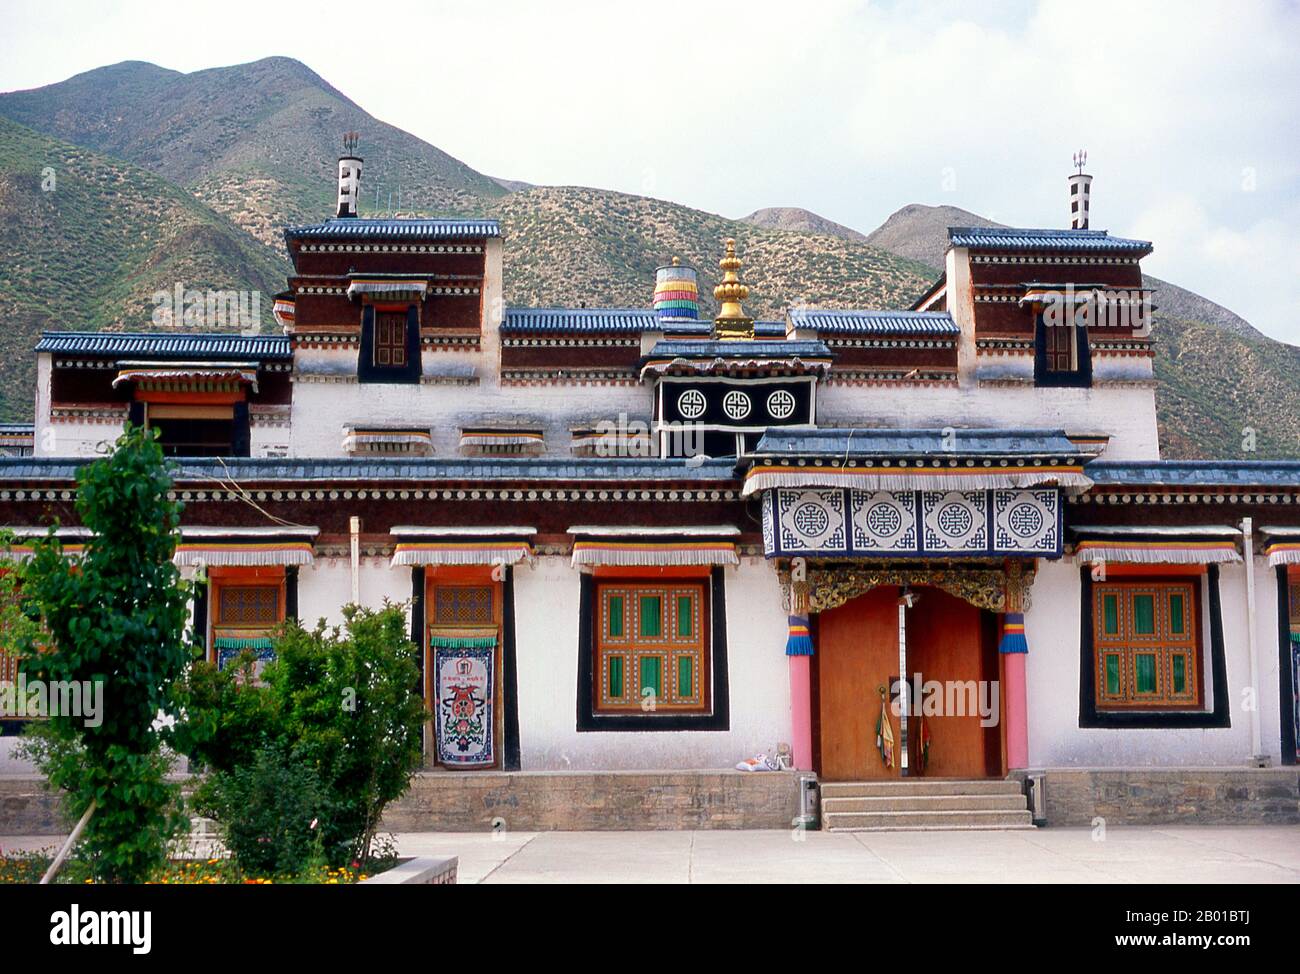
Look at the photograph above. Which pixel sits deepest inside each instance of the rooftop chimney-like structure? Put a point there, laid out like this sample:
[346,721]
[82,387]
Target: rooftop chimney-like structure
[1080,192]
[732,324]
[349,176]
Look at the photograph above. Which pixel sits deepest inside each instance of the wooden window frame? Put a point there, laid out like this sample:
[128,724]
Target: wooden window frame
[1127,645]
[631,647]
[390,338]
[221,579]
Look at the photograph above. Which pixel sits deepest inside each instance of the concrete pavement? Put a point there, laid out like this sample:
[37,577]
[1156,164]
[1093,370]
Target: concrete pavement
[1240,854]
[1168,854]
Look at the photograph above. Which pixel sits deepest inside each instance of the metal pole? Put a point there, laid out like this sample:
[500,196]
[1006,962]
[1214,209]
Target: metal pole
[1257,756]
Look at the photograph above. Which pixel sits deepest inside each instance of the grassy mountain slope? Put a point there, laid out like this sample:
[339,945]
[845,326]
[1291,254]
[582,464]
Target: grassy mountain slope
[91,252]
[569,244]
[257,142]
[238,152]
[797,218]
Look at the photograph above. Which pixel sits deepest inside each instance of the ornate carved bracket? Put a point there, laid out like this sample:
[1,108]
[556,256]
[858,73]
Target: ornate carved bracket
[996,587]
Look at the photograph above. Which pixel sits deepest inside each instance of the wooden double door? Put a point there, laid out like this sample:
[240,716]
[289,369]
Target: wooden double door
[949,642]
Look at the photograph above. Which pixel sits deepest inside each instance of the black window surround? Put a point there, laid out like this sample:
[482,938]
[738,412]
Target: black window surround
[1285,687]
[1079,378]
[1090,716]
[719,719]
[368,371]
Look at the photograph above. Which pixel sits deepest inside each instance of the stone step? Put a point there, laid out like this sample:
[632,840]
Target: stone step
[905,787]
[925,821]
[926,803]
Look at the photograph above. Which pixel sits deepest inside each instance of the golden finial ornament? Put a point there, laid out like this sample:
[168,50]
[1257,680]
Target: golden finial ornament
[732,324]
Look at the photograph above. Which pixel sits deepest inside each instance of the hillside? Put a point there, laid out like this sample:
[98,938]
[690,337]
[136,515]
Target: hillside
[1217,374]
[233,154]
[610,244]
[797,218]
[91,251]
[257,142]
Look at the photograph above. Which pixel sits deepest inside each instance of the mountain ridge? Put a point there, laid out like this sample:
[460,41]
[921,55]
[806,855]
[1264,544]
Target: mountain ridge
[254,145]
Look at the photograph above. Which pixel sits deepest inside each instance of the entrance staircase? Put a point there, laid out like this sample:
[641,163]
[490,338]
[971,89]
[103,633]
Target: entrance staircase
[920,804]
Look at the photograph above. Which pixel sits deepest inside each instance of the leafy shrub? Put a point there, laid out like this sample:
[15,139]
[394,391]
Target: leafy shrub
[267,809]
[340,703]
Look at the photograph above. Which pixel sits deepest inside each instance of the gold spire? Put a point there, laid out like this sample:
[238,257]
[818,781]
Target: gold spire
[731,324]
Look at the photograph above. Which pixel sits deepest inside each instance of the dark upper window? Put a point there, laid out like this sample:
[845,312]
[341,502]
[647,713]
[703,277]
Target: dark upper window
[1061,355]
[390,345]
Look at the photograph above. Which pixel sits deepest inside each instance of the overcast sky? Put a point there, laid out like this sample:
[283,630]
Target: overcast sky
[1190,111]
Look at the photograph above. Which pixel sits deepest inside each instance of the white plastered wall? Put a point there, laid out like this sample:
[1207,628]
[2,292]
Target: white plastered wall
[1052,676]
[546,639]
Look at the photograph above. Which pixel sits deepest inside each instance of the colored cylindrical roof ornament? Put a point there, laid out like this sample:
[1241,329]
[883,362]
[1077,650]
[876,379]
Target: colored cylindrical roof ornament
[677,293]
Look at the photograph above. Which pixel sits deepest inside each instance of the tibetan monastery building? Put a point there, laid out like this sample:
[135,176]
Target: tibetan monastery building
[636,538]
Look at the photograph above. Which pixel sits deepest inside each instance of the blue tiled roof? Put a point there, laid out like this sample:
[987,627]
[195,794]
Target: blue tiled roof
[1195,473]
[473,470]
[915,442]
[1074,241]
[165,345]
[355,228]
[759,348]
[875,322]
[579,319]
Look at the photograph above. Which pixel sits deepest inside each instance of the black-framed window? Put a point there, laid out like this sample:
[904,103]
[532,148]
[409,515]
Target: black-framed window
[390,345]
[617,602]
[1062,356]
[1096,648]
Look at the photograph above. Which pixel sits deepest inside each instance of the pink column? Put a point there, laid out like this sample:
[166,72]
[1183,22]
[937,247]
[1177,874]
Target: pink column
[1014,706]
[801,711]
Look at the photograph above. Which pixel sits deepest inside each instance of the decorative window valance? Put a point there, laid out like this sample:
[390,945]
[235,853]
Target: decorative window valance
[1282,545]
[375,439]
[620,546]
[920,475]
[245,546]
[408,290]
[1210,544]
[589,442]
[462,545]
[200,376]
[72,539]
[502,440]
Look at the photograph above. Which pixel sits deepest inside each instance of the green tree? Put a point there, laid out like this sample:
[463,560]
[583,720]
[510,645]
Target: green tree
[114,619]
[339,701]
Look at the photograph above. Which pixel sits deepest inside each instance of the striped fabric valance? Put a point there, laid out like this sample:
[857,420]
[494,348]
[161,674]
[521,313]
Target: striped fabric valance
[418,442]
[241,643]
[245,375]
[1282,553]
[251,553]
[447,552]
[590,554]
[502,440]
[1211,545]
[659,546]
[25,552]
[409,290]
[929,477]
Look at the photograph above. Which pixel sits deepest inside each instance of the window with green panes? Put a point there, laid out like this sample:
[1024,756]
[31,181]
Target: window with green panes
[651,646]
[1146,643]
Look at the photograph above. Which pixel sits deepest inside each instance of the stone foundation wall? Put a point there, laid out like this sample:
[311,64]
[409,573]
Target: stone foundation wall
[1184,796]
[597,801]
[27,808]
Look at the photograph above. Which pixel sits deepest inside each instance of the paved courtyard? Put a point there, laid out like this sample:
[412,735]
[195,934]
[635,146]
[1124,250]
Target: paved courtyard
[1243,854]
[1201,854]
